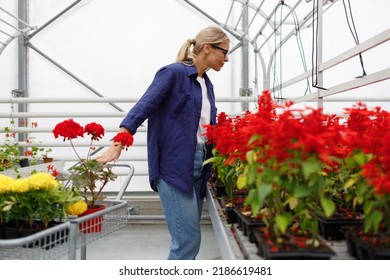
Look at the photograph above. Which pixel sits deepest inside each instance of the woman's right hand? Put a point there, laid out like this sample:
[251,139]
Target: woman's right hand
[112,154]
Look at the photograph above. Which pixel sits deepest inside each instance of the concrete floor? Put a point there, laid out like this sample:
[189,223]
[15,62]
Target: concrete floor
[146,242]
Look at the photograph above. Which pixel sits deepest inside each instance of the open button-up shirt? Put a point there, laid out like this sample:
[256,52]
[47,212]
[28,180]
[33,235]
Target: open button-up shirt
[172,104]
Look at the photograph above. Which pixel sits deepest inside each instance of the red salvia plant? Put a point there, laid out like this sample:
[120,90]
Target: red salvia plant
[303,159]
[286,158]
[368,139]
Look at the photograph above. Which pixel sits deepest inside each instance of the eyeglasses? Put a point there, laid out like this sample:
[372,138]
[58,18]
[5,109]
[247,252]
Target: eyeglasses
[225,52]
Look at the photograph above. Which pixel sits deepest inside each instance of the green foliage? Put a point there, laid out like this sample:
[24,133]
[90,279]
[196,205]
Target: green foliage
[10,151]
[227,173]
[89,178]
[29,203]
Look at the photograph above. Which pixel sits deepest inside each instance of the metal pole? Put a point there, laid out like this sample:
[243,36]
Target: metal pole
[53,19]
[245,90]
[320,77]
[72,75]
[22,66]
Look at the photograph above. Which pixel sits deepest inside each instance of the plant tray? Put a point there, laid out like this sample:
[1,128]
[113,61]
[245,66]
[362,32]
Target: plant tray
[362,249]
[63,239]
[331,228]
[247,224]
[323,252]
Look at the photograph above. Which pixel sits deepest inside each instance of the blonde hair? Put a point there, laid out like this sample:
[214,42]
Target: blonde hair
[192,47]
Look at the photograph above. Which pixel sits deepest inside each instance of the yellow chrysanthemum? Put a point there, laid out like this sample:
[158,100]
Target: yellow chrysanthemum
[20,185]
[77,208]
[41,181]
[6,183]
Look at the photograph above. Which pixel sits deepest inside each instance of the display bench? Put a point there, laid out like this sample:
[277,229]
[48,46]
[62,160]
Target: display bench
[234,244]
[64,239]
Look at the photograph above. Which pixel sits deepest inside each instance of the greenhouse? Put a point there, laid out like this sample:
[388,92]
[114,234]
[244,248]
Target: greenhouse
[302,122]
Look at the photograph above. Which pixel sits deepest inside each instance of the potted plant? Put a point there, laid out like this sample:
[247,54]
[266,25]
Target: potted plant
[37,152]
[284,157]
[368,136]
[32,204]
[89,176]
[10,151]
[302,166]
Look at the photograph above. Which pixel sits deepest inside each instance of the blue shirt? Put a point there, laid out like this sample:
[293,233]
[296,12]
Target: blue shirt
[172,104]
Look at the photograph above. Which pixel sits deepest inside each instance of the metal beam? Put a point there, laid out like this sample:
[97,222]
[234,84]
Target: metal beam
[226,99]
[353,84]
[53,19]
[362,47]
[22,66]
[71,75]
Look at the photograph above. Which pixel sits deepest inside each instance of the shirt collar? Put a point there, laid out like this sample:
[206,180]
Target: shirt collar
[191,70]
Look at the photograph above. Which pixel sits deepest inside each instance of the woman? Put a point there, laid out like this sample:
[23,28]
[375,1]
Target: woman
[177,104]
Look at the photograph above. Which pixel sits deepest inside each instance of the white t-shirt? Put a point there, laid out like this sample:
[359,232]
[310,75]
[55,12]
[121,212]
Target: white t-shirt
[205,113]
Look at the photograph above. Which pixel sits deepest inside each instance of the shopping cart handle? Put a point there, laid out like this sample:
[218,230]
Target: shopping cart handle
[127,180]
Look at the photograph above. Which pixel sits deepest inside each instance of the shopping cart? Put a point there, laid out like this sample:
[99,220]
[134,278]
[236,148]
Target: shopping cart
[63,240]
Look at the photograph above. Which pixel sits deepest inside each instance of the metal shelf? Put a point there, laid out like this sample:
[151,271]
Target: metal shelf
[234,244]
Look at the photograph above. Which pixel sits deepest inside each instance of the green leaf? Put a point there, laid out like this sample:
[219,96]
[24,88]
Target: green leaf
[300,191]
[292,202]
[359,158]
[253,200]
[328,205]
[250,156]
[210,160]
[263,190]
[241,181]
[251,174]
[7,207]
[372,221]
[310,167]
[283,221]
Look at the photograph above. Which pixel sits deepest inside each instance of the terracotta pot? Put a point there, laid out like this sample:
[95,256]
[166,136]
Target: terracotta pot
[47,159]
[94,224]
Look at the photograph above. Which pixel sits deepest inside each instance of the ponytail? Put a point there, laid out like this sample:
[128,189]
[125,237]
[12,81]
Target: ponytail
[185,52]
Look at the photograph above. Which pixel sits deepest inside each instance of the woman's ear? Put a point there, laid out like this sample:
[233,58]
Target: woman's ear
[206,48]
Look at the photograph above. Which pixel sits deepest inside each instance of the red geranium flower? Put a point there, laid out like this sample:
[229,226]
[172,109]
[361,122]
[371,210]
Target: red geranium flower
[68,129]
[94,129]
[125,138]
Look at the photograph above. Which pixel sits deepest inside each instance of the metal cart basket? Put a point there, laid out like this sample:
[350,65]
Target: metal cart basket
[62,240]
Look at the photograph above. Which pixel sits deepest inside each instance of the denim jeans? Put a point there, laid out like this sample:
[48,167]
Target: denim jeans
[183,213]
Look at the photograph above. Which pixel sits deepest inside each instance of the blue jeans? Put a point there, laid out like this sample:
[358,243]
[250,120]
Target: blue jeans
[183,213]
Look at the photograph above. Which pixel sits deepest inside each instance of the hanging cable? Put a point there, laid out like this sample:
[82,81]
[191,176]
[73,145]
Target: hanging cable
[314,60]
[354,33]
[278,96]
[300,46]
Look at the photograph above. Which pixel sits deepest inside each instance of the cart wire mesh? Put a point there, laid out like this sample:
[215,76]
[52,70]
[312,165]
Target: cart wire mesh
[62,241]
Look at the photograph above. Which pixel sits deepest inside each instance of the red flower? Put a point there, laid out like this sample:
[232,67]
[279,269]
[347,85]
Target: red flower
[28,153]
[125,138]
[68,129]
[53,170]
[96,130]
